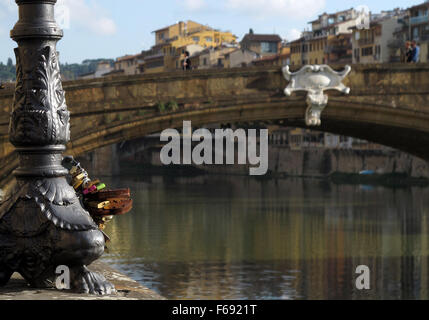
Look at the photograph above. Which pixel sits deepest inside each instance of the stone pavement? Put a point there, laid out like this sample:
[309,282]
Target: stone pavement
[127,289]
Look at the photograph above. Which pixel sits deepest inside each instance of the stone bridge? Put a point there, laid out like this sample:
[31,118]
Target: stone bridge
[388,104]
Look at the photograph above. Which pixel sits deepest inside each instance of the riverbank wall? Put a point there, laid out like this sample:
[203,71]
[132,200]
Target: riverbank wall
[314,162]
[324,162]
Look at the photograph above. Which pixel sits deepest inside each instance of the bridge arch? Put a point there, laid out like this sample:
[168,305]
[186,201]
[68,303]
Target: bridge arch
[377,123]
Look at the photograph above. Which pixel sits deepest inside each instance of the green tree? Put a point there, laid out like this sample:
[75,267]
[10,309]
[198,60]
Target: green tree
[69,71]
[7,72]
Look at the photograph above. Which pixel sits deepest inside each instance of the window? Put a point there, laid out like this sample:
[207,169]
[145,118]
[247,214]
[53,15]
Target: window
[415,33]
[155,64]
[295,49]
[268,47]
[357,56]
[205,61]
[209,39]
[196,39]
[367,51]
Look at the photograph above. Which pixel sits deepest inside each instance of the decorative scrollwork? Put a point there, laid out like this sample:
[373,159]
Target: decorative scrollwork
[40,115]
[315,79]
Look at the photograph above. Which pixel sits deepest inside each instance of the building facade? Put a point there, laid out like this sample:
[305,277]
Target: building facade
[329,40]
[262,44]
[413,26]
[418,23]
[374,45]
[190,32]
[298,138]
[179,58]
[171,42]
[214,57]
[103,69]
[129,64]
[240,58]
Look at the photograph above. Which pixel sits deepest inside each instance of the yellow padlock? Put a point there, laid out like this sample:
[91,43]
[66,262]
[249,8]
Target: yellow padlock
[77,184]
[80,176]
[73,170]
[98,205]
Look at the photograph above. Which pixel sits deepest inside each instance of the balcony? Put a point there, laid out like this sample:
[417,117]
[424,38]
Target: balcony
[337,49]
[365,41]
[419,20]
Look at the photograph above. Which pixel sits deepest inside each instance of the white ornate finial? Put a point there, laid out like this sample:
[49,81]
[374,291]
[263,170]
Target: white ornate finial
[315,79]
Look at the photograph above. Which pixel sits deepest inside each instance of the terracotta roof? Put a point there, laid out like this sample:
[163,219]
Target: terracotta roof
[243,49]
[297,40]
[262,37]
[128,57]
[120,71]
[154,57]
[172,25]
[419,6]
[331,14]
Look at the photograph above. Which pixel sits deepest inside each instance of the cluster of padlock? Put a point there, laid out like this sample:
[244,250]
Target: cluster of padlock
[101,204]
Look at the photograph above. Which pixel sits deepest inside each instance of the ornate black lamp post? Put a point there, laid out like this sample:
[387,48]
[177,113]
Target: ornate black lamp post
[43,224]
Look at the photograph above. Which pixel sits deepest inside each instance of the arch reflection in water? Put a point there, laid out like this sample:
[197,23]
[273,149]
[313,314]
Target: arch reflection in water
[214,237]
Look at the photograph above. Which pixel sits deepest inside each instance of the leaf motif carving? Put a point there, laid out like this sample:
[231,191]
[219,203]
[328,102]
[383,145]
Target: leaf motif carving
[40,113]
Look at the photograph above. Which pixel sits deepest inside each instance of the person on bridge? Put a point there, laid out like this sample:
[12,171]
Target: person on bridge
[408,52]
[187,62]
[416,52]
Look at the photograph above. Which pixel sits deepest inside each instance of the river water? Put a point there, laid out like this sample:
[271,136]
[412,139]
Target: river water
[228,237]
